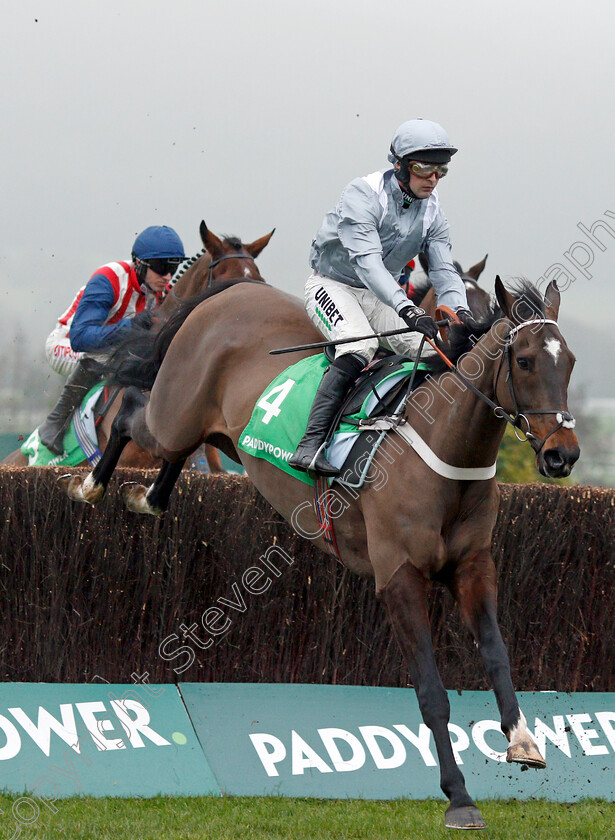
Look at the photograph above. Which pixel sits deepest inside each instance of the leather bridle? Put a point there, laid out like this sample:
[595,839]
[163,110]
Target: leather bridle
[564,418]
[216,262]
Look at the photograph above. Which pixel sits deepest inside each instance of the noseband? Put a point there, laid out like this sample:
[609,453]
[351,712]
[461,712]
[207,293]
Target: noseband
[214,263]
[564,418]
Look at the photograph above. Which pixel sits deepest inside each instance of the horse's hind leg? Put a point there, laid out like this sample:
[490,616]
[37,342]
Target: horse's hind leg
[405,596]
[154,500]
[92,488]
[474,587]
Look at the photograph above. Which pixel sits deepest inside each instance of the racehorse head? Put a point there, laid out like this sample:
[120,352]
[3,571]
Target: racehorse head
[231,259]
[537,365]
[478,298]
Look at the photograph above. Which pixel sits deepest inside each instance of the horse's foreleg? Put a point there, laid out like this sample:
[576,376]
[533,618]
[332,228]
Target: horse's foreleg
[92,488]
[475,588]
[154,500]
[405,596]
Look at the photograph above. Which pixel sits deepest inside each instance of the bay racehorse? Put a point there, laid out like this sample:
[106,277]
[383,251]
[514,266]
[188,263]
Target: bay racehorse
[429,523]
[220,261]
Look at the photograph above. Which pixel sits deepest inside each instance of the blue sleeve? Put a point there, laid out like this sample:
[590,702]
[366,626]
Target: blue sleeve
[88,331]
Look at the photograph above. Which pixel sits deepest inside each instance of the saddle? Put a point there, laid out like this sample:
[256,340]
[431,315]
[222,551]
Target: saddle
[279,416]
[371,377]
[377,392]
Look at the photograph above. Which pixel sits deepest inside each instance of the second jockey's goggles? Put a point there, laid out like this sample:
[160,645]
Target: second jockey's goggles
[162,267]
[425,170]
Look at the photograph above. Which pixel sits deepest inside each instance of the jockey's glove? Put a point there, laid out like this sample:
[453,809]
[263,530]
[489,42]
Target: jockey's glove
[466,318]
[143,319]
[417,319]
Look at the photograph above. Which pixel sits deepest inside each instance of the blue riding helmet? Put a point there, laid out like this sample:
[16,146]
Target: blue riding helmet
[158,242]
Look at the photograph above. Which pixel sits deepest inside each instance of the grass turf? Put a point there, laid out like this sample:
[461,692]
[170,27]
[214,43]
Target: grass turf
[229,818]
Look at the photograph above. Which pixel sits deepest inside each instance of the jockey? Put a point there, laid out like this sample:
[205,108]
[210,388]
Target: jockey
[379,224]
[118,296]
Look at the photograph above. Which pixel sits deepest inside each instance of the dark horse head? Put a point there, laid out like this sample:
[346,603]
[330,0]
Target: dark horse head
[478,298]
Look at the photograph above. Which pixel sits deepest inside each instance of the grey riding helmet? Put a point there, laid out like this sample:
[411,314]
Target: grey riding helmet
[421,140]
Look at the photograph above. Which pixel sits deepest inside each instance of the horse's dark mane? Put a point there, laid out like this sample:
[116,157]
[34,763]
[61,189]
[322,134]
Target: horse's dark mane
[234,241]
[528,304]
[136,359]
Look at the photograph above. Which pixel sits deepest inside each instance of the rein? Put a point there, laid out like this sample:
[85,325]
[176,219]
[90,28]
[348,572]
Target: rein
[214,263]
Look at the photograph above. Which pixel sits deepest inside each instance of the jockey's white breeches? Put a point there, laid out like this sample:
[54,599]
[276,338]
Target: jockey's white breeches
[341,311]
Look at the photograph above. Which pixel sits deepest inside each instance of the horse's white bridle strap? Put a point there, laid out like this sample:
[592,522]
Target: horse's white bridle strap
[440,467]
[529,324]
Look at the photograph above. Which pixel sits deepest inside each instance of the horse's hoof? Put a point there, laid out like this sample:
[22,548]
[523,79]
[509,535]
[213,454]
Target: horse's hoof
[81,490]
[135,499]
[468,816]
[525,752]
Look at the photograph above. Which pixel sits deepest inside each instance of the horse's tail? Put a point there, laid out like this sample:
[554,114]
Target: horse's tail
[137,358]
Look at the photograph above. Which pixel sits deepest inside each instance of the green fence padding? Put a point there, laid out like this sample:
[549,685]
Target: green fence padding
[335,742]
[59,740]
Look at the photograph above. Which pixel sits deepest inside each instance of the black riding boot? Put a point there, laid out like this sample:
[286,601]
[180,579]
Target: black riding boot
[333,388]
[51,431]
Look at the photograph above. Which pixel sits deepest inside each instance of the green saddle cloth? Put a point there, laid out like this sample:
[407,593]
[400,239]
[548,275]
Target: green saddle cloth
[280,416]
[77,448]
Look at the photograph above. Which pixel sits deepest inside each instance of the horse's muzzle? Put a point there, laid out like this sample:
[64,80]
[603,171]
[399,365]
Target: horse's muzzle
[558,461]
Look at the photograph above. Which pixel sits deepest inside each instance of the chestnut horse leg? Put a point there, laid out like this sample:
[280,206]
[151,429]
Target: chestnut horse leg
[214,461]
[474,587]
[405,596]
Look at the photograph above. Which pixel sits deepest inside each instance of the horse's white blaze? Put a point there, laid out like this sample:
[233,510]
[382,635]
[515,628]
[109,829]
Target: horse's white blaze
[246,271]
[553,346]
[469,285]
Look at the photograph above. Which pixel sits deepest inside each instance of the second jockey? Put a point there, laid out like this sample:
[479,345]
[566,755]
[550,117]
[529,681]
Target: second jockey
[119,296]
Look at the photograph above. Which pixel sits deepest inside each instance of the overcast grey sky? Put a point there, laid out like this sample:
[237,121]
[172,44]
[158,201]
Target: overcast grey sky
[118,114]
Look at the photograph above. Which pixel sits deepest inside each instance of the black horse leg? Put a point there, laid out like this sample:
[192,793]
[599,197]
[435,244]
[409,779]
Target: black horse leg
[405,596]
[475,589]
[92,488]
[159,493]
[120,436]
[154,500]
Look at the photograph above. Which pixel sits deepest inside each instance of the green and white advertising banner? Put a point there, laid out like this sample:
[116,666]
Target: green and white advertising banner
[334,741]
[59,740]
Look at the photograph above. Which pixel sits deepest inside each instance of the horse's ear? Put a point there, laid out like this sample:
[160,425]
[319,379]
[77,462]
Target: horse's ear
[504,298]
[552,300]
[458,267]
[423,262]
[476,270]
[210,240]
[254,248]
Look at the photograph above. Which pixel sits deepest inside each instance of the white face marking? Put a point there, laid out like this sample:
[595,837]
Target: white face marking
[553,346]
[246,272]
[468,285]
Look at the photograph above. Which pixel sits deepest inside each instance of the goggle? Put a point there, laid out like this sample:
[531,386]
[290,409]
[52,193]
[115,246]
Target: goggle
[425,170]
[162,267]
